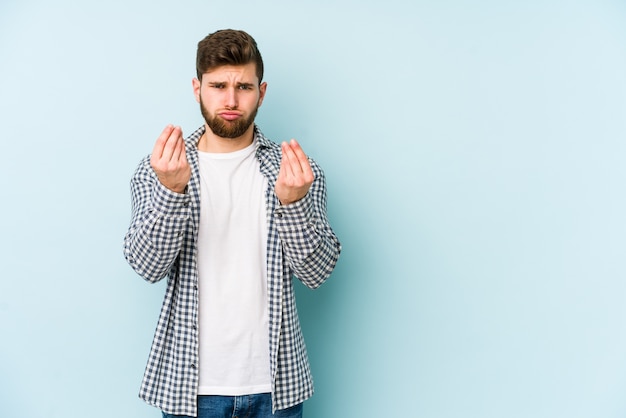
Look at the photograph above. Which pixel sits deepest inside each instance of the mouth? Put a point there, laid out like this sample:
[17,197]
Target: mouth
[229,115]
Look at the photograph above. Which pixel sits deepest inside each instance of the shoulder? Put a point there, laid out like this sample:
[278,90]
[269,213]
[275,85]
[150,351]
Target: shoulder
[266,144]
[191,142]
[144,169]
[267,150]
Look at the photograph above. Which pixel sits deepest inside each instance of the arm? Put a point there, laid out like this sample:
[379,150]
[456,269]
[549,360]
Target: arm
[159,213]
[309,244]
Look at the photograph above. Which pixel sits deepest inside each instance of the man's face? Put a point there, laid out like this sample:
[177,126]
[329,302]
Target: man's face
[229,98]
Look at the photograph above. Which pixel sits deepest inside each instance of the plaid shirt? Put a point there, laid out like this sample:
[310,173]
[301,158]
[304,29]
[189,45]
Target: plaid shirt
[161,241]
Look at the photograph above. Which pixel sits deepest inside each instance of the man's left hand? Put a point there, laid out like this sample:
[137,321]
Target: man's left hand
[295,176]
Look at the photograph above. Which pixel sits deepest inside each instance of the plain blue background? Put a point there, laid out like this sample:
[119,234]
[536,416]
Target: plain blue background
[475,160]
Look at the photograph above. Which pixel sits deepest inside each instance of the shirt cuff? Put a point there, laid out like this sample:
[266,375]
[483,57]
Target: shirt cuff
[170,203]
[295,215]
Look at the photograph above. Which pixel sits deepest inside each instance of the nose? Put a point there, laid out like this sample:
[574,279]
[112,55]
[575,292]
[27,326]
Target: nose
[231,98]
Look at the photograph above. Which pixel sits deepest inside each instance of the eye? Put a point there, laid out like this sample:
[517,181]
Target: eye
[217,85]
[245,87]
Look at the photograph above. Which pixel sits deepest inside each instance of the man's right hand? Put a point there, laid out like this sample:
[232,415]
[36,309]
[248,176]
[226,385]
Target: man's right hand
[169,159]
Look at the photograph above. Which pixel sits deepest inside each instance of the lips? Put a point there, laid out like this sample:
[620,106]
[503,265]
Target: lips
[230,115]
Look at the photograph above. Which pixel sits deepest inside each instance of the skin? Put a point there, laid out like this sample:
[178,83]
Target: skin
[229,93]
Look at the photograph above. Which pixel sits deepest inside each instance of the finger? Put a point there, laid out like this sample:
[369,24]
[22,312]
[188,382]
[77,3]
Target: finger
[289,160]
[176,150]
[302,158]
[159,145]
[179,148]
[171,144]
[183,152]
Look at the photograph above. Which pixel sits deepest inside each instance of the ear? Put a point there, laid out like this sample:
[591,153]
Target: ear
[196,88]
[262,89]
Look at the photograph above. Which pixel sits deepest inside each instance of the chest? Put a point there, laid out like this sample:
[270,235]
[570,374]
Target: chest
[232,190]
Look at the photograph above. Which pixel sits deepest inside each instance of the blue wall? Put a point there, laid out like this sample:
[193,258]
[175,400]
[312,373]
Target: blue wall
[475,160]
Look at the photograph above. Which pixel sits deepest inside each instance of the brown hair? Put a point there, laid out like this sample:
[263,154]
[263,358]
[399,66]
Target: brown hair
[228,47]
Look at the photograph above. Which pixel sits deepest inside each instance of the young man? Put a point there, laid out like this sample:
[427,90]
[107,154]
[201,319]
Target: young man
[229,217]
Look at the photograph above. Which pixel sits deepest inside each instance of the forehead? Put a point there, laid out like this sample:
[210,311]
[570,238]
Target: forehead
[234,73]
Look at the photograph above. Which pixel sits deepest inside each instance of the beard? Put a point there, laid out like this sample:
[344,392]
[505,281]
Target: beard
[227,128]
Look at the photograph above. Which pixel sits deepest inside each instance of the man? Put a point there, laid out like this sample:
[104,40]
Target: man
[229,217]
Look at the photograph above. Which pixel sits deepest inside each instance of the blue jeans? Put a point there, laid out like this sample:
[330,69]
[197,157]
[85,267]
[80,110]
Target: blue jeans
[247,406]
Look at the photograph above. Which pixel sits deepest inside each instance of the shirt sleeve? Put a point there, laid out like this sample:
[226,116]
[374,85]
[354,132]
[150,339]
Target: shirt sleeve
[309,244]
[159,219]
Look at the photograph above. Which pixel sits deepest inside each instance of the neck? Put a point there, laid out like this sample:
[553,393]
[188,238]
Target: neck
[209,142]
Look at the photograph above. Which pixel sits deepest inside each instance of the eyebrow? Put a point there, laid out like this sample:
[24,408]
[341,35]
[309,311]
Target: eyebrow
[238,84]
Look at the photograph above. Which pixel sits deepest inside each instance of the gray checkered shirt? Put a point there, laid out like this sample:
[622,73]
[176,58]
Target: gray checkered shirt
[161,242]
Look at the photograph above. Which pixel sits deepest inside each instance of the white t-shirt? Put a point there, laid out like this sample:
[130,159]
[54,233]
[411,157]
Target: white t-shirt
[232,284]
